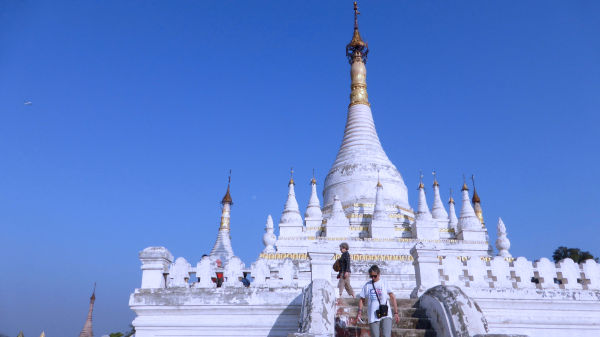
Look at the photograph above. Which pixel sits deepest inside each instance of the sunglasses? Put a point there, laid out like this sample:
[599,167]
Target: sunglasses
[373,276]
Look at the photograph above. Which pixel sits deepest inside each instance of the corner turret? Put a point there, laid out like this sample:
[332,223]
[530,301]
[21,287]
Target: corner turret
[382,227]
[313,216]
[291,223]
[437,210]
[469,226]
[424,226]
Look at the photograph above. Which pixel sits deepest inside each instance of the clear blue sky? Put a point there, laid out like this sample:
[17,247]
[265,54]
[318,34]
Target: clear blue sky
[140,108]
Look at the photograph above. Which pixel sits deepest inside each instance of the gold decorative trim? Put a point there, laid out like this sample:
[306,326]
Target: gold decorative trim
[447,230]
[482,258]
[359,228]
[283,256]
[355,215]
[405,240]
[376,257]
[356,103]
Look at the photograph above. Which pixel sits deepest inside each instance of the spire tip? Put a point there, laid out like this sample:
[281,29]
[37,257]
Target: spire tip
[227,198]
[291,177]
[421,186]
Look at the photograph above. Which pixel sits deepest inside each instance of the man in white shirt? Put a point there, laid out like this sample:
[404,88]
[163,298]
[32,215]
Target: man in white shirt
[377,293]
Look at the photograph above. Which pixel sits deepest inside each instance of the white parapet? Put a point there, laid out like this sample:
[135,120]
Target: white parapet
[321,261]
[426,262]
[155,263]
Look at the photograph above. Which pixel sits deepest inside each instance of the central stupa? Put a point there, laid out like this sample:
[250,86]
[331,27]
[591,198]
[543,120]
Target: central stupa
[361,161]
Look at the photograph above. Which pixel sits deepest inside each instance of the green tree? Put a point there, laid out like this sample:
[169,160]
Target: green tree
[575,254]
[131,331]
[116,334]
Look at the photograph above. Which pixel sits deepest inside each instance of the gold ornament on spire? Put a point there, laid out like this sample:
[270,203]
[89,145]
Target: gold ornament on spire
[477,203]
[356,52]
[475,195]
[227,198]
[435,182]
[451,201]
[291,177]
[421,180]
[225,211]
[313,180]
[464,187]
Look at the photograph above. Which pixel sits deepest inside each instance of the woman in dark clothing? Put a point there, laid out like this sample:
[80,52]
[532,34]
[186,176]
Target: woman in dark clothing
[344,274]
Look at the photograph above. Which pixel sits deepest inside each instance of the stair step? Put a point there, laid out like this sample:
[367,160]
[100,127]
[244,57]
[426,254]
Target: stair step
[396,332]
[402,312]
[404,322]
[413,320]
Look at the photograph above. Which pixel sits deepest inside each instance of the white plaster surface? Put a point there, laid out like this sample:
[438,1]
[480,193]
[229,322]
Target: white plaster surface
[233,272]
[500,273]
[437,210]
[155,263]
[205,272]
[337,225]
[502,242]
[591,271]
[291,223]
[179,273]
[359,162]
[313,210]
[269,238]
[216,312]
[452,219]
[318,313]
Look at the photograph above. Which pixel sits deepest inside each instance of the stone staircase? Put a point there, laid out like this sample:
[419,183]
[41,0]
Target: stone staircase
[413,321]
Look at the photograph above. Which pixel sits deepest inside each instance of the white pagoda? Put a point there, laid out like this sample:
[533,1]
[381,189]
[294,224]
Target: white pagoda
[440,265]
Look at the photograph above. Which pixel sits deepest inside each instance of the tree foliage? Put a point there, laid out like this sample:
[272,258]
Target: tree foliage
[131,331]
[575,254]
[116,334]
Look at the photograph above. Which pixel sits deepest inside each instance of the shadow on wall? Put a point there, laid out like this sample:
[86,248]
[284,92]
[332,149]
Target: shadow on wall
[288,320]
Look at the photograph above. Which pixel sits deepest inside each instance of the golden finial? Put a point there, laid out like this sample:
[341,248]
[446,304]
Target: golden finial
[356,52]
[421,180]
[475,195]
[435,183]
[291,177]
[357,48]
[313,180]
[227,198]
[451,201]
[356,14]
[464,187]
[378,182]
